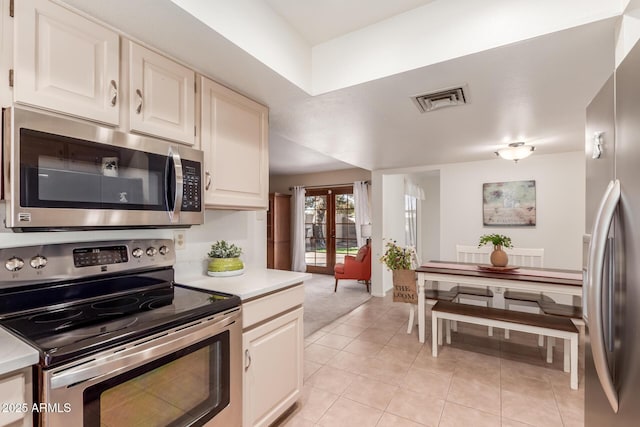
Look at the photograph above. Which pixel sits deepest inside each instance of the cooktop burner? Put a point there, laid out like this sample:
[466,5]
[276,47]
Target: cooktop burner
[73,318]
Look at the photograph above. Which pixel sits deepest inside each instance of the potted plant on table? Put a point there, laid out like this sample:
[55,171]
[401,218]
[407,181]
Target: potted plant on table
[399,260]
[225,259]
[498,257]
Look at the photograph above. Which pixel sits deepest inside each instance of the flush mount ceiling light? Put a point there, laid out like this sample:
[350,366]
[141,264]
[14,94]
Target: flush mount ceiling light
[515,151]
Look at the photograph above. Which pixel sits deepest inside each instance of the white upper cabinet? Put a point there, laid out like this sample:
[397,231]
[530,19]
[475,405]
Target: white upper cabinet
[234,138]
[65,62]
[161,96]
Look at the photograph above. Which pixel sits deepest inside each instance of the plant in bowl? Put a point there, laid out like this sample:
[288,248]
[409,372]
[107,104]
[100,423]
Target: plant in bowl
[225,259]
[498,257]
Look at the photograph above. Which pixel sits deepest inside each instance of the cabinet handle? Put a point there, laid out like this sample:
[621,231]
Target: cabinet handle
[114,93]
[208,175]
[139,107]
[247,359]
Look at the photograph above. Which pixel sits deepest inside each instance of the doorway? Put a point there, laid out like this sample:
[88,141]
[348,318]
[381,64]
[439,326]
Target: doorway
[330,231]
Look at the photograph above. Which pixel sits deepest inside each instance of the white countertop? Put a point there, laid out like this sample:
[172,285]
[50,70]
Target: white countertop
[14,353]
[250,284]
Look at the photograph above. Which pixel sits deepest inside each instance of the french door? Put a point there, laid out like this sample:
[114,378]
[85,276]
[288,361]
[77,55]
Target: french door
[330,231]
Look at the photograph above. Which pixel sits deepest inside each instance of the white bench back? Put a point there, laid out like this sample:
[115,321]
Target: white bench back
[473,254]
[526,257]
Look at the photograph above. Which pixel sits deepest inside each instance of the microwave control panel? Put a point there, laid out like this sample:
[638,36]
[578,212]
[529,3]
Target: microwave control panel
[191,187]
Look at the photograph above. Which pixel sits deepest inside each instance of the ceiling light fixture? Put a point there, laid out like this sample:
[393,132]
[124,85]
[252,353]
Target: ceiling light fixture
[515,151]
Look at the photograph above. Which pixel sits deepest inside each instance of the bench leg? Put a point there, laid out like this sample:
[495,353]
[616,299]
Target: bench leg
[411,314]
[439,334]
[448,328]
[434,335]
[551,341]
[574,362]
[540,340]
[567,353]
[454,325]
[506,334]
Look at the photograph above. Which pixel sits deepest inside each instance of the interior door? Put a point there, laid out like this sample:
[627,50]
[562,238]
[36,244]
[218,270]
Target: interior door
[330,232]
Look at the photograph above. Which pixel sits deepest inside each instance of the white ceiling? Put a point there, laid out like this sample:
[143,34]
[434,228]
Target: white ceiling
[536,89]
[320,21]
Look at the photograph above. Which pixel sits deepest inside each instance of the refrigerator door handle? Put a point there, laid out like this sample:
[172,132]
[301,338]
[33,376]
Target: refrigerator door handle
[594,283]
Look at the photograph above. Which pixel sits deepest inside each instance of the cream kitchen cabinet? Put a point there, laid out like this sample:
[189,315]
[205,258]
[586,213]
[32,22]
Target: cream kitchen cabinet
[273,342]
[234,138]
[65,62]
[161,95]
[16,399]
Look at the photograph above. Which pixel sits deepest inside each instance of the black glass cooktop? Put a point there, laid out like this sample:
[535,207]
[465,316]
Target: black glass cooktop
[86,317]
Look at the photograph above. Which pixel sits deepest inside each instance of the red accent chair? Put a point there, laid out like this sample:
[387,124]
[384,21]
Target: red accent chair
[355,268]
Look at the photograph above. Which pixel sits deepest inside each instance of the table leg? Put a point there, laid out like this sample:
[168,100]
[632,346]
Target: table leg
[567,352]
[421,315]
[434,336]
[574,361]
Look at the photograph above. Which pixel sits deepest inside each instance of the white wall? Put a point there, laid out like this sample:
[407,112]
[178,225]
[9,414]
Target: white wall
[560,205]
[246,229]
[387,223]
[429,220]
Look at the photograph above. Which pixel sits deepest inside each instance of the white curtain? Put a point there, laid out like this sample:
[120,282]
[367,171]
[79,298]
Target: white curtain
[298,262]
[362,208]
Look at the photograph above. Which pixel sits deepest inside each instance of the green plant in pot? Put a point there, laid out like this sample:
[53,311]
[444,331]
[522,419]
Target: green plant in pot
[399,260]
[498,257]
[225,259]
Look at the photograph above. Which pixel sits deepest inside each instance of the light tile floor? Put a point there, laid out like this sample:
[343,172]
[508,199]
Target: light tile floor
[365,370]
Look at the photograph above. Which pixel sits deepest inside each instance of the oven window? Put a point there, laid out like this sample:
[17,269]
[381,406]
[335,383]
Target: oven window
[187,387]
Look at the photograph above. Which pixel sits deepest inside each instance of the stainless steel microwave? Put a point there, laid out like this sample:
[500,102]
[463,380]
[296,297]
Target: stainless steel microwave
[63,174]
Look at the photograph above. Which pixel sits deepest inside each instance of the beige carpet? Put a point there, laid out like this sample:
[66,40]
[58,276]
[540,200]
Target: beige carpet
[322,306]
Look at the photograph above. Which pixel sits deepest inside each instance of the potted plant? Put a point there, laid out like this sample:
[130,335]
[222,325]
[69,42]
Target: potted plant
[399,260]
[225,259]
[498,257]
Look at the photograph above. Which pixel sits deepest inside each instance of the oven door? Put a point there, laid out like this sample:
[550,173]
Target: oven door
[189,376]
[68,174]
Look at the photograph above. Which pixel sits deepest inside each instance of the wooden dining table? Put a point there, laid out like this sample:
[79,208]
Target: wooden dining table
[538,280]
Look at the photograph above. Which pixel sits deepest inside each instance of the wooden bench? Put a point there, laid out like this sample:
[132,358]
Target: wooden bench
[551,326]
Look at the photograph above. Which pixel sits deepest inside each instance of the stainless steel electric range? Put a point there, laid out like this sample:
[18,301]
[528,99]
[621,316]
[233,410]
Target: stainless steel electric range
[120,343]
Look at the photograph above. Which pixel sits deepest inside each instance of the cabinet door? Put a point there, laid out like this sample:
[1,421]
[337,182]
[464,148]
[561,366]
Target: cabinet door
[272,379]
[161,96]
[234,139]
[65,62]
[16,398]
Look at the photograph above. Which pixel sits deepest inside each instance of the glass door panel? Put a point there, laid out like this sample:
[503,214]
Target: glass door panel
[345,228]
[330,232]
[315,225]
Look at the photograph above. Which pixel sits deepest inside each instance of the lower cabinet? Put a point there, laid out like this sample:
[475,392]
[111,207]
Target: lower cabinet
[16,399]
[273,367]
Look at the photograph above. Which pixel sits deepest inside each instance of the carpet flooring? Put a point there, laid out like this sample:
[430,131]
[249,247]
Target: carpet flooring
[322,306]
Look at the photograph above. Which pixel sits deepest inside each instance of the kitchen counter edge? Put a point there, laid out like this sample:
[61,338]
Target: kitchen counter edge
[251,284]
[15,354]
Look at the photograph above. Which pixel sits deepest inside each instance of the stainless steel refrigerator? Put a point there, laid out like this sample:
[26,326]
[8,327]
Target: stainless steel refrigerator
[612,250]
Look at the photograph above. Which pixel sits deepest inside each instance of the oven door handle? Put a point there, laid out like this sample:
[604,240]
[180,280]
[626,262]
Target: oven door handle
[120,361]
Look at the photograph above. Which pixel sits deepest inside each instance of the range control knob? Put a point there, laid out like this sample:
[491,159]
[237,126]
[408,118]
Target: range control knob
[38,261]
[151,251]
[164,250]
[137,252]
[14,264]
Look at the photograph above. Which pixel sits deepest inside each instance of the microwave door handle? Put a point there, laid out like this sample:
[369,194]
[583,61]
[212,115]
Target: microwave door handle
[174,201]
[594,283]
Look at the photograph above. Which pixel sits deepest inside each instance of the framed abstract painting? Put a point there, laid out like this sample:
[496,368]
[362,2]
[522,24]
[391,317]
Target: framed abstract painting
[509,203]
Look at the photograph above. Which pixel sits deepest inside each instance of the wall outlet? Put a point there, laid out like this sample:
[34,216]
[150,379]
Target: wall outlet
[179,240]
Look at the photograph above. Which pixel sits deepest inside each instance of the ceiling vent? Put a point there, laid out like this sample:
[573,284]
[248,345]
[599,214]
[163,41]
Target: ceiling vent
[441,99]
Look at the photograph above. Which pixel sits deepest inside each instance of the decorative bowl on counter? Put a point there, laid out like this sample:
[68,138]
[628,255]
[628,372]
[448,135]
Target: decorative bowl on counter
[225,260]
